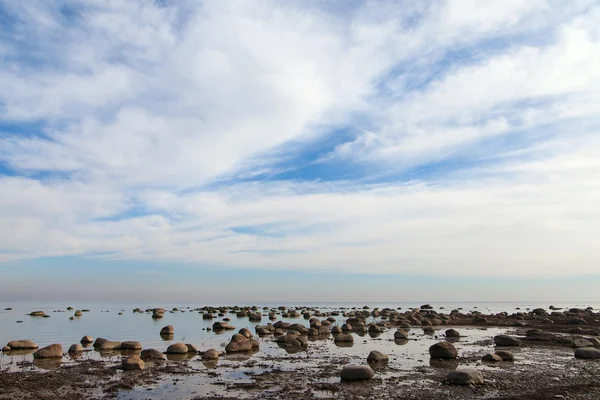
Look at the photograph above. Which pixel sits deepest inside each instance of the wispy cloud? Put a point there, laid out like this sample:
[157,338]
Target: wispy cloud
[184,131]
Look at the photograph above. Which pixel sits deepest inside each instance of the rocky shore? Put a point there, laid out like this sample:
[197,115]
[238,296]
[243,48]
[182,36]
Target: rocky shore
[308,352]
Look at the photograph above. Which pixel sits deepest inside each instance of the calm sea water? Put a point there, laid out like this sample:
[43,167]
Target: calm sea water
[104,320]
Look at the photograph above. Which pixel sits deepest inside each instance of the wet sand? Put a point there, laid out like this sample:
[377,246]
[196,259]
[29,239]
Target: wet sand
[541,370]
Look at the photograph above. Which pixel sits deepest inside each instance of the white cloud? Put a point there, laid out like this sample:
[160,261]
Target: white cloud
[143,107]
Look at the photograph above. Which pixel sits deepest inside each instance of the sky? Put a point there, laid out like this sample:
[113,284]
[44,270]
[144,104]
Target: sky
[294,150]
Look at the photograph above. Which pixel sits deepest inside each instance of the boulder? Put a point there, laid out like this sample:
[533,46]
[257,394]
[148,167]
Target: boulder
[133,363]
[167,330]
[343,338]
[222,326]
[130,346]
[506,341]
[37,313]
[22,344]
[177,348]
[245,332]
[491,357]
[86,340]
[292,340]
[107,345]
[577,343]
[240,343]
[5,349]
[505,355]
[78,313]
[444,350]
[54,350]
[353,372]
[587,353]
[75,348]
[210,354]
[400,334]
[466,376]
[152,354]
[377,357]
[191,348]
[452,333]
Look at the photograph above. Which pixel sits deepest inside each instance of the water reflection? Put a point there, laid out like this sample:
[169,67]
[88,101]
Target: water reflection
[48,363]
[443,364]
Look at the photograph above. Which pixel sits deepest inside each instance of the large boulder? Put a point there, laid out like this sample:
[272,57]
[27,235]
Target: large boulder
[167,330]
[452,333]
[86,340]
[505,355]
[54,350]
[587,353]
[151,354]
[353,372]
[75,348]
[240,343]
[292,340]
[177,348]
[506,341]
[377,357]
[465,376]
[400,334]
[444,350]
[130,345]
[210,354]
[133,363]
[22,344]
[222,326]
[343,338]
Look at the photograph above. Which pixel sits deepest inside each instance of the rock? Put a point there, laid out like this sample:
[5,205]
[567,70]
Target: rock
[210,354]
[576,321]
[577,343]
[167,330]
[292,340]
[245,332]
[505,355]
[445,350]
[377,357]
[400,334]
[130,346]
[133,363]
[343,338]
[491,357]
[587,353]
[54,350]
[78,313]
[346,328]
[353,372]
[152,354]
[75,348]
[221,326]
[106,345]
[191,348]
[336,329]
[37,313]
[452,333]
[22,344]
[466,376]
[506,341]
[240,343]
[86,340]
[5,349]
[177,348]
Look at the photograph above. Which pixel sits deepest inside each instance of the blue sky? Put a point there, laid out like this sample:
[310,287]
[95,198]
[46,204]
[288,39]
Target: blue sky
[379,143]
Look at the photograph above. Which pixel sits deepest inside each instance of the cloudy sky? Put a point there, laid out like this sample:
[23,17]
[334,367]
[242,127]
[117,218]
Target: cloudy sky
[323,150]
